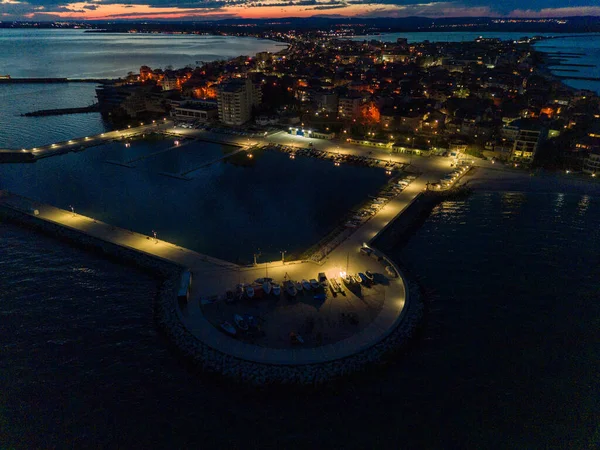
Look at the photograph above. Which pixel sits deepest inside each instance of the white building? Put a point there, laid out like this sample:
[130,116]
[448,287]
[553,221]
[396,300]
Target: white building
[235,101]
[591,165]
[194,110]
[349,106]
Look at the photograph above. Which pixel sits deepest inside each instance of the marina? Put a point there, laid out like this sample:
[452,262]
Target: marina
[280,305]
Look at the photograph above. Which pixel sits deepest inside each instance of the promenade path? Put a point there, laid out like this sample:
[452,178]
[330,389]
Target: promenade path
[76,143]
[214,276]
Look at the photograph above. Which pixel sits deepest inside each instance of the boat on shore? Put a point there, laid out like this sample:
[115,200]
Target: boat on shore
[249,290]
[298,285]
[291,289]
[295,338]
[267,287]
[363,278]
[228,328]
[335,285]
[276,289]
[370,276]
[314,283]
[306,285]
[240,322]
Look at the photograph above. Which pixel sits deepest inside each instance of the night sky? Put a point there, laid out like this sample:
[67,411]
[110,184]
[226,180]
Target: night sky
[219,9]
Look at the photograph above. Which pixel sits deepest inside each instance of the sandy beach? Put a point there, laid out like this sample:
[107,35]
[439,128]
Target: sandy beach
[502,179]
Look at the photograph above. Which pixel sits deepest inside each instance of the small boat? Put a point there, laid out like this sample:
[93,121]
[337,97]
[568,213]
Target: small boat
[298,286]
[391,271]
[314,283]
[356,279]
[366,251]
[363,278]
[276,289]
[263,280]
[291,289]
[267,287]
[239,290]
[348,279]
[251,321]
[240,322]
[305,285]
[229,297]
[335,285]
[323,279]
[369,275]
[296,338]
[249,291]
[228,328]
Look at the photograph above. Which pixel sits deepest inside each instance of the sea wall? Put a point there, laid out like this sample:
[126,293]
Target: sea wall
[212,361]
[16,157]
[147,262]
[403,226]
[209,360]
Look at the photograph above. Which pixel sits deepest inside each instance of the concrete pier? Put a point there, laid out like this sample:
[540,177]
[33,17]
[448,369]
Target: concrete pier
[80,143]
[200,339]
[213,276]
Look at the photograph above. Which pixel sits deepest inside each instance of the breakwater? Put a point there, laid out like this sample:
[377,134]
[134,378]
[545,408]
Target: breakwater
[150,263]
[63,111]
[212,361]
[16,156]
[401,229]
[209,359]
[55,80]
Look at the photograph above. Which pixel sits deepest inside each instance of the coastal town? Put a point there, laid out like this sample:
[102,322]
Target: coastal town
[297,225]
[489,99]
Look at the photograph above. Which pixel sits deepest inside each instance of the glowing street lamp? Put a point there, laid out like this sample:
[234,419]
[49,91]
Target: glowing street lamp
[155,238]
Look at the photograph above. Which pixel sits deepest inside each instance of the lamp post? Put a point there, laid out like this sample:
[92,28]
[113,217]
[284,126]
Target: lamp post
[256,255]
[155,238]
[72,210]
[283,252]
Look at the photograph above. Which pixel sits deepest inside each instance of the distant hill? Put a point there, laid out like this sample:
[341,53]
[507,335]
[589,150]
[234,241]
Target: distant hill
[580,24]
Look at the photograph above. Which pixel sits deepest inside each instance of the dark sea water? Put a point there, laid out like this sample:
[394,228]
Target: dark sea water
[78,54]
[508,357]
[27,132]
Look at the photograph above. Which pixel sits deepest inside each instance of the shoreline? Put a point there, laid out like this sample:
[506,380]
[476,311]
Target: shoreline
[502,180]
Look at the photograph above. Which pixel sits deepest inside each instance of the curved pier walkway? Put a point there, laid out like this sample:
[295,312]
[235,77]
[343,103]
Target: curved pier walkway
[213,276]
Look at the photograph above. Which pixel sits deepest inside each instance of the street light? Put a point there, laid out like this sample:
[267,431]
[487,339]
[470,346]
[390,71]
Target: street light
[72,209]
[155,238]
[283,252]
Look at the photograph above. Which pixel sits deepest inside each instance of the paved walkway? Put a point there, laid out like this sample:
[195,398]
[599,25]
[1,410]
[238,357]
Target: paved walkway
[75,144]
[212,275]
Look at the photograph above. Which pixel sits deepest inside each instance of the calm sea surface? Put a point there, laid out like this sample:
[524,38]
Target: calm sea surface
[77,54]
[508,357]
